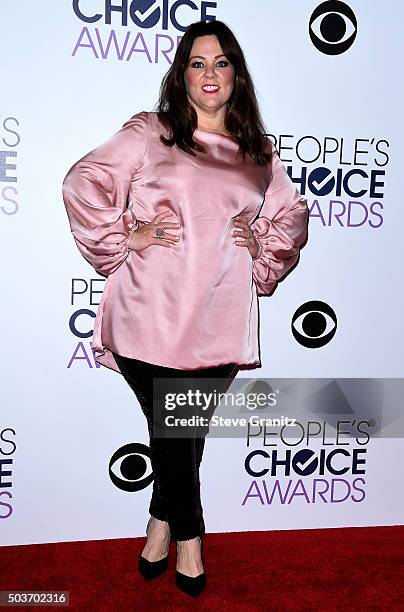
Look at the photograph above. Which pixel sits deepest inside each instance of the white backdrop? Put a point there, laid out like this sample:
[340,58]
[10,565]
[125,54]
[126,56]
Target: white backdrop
[62,418]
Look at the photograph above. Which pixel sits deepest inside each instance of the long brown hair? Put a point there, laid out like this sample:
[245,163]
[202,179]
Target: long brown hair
[242,121]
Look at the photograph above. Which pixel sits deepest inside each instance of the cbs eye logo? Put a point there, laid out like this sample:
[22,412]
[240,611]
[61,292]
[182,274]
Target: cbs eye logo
[333,27]
[128,467]
[314,324]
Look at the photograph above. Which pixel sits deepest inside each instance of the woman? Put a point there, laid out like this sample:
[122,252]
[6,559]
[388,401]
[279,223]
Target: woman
[190,214]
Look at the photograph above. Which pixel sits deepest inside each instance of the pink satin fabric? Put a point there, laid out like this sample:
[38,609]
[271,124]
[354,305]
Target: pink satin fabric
[193,305]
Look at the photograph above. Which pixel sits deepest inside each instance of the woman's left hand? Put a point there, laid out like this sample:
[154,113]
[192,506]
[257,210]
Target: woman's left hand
[244,231]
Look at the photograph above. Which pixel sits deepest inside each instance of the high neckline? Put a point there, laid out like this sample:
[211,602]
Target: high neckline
[210,131]
[199,131]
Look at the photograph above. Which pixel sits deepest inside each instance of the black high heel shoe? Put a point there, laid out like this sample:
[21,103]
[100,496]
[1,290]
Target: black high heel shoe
[191,585]
[152,569]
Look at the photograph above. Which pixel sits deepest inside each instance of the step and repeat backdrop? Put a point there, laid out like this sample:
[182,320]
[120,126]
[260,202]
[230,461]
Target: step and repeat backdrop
[74,456]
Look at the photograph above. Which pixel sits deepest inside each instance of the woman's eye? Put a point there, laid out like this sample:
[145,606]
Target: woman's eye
[223,62]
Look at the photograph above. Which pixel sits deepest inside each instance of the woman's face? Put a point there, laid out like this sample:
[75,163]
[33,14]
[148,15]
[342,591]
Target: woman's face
[208,66]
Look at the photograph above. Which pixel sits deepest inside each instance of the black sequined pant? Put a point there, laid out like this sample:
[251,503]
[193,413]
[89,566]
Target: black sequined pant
[175,461]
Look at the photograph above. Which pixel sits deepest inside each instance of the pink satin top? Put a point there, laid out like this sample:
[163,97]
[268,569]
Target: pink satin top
[193,305]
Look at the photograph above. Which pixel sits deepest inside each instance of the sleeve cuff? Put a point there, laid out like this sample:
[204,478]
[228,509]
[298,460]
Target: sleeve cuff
[259,243]
[132,228]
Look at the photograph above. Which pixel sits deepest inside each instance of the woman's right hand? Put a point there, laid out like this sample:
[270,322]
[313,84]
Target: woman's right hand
[144,236]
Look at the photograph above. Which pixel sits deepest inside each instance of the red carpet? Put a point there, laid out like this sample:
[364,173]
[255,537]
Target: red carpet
[359,568]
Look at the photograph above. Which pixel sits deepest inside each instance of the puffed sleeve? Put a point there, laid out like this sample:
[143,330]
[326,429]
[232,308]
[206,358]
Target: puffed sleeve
[95,193]
[281,229]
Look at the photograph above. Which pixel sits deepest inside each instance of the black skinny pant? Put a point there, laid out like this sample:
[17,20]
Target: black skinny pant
[175,461]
